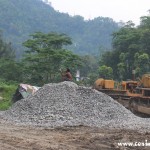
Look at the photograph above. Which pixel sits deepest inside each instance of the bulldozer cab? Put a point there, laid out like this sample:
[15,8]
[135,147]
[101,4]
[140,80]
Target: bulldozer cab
[129,86]
[144,85]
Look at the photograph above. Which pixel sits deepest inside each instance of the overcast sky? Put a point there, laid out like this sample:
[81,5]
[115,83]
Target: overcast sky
[118,10]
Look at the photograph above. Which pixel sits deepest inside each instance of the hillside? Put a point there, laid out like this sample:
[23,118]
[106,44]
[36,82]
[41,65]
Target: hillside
[21,18]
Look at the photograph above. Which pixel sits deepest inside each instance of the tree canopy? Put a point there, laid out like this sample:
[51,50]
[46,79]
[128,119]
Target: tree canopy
[46,54]
[131,50]
[9,68]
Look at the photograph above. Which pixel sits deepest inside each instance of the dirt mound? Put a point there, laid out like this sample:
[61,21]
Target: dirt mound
[67,104]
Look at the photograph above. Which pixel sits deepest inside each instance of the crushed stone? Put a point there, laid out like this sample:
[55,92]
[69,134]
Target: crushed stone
[67,104]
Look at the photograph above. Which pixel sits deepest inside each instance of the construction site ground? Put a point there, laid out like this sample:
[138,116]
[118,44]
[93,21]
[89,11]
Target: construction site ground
[14,137]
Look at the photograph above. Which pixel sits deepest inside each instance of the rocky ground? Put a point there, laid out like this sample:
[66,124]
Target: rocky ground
[65,116]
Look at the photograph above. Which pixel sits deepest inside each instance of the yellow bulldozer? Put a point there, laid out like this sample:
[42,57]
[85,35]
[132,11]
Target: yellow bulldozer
[134,95]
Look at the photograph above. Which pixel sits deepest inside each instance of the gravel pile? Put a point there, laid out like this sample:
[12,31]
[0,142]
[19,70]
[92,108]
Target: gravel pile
[67,104]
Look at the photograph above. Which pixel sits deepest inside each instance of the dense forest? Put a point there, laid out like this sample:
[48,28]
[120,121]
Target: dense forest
[131,51]
[21,18]
[36,42]
[46,52]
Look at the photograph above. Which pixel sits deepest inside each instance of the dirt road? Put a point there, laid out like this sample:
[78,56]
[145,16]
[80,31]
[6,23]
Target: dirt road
[14,137]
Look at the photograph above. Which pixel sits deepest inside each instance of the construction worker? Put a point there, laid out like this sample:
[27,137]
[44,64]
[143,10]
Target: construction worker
[66,76]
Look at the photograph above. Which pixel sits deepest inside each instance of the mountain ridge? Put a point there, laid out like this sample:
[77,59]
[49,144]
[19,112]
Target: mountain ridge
[19,19]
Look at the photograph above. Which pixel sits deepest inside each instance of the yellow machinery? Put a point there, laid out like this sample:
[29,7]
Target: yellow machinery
[145,80]
[104,84]
[134,95]
[108,87]
[140,101]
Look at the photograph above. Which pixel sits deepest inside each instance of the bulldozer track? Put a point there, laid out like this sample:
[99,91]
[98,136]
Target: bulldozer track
[139,106]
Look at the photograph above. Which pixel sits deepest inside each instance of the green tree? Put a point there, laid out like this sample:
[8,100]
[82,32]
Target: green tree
[111,59]
[141,63]
[121,70]
[6,50]
[9,68]
[126,42]
[46,55]
[89,65]
[105,72]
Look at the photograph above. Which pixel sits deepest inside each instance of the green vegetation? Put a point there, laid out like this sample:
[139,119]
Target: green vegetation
[6,92]
[131,50]
[105,72]
[46,55]
[84,47]
[25,17]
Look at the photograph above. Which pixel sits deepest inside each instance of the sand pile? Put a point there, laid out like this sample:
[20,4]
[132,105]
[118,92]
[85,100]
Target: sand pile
[67,104]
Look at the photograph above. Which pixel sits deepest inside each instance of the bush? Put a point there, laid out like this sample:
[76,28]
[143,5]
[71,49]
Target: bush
[7,89]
